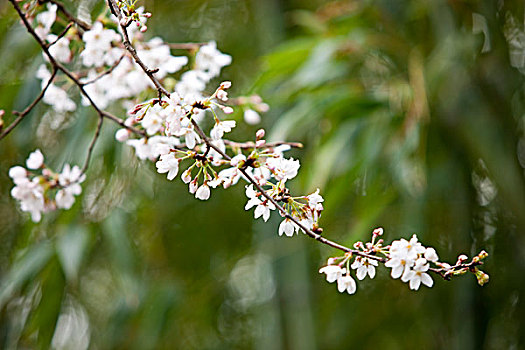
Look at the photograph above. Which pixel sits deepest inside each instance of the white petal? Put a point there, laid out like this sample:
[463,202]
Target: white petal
[371,271]
[361,273]
[427,280]
[415,282]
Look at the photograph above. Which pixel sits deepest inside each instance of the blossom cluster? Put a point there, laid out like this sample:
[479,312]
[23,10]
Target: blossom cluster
[408,259]
[39,189]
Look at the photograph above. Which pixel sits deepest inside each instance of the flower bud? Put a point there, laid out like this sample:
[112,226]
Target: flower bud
[222,95]
[483,254]
[35,160]
[331,261]
[251,117]
[227,110]
[482,277]
[260,143]
[225,85]
[260,134]
[263,107]
[186,176]
[462,258]
[378,231]
[122,135]
[431,255]
[237,159]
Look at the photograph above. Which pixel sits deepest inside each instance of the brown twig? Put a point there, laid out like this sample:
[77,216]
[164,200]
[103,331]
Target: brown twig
[106,72]
[61,35]
[29,108]
[92,144]
[127,43]
[85,26]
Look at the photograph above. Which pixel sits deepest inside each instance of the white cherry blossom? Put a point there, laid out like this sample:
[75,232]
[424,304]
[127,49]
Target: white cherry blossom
[288,228]
[262,208]
[346,283]
[210,60]
[315,200]
[418,275]
[399,266]
[47,18]
[60,49]
[35,160]
[333,272]
[18,174]
[203,192]
[168,164]
[364,266]
[282,168]
[220,128]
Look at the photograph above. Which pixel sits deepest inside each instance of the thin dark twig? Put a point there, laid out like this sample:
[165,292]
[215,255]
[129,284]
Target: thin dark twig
[127,44]
[106,72]
[61,35]
[92,144]
[29,108]
[85,26]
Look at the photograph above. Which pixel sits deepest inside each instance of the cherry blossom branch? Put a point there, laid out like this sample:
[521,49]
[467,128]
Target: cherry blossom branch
[58,66]
[127,44]
[29,108]
[309,232]
[408,257]
[444,272]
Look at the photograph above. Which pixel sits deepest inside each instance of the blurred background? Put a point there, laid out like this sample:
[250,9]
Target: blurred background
[412,117]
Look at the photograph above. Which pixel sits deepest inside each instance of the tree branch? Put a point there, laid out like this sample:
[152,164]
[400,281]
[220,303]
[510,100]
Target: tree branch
[29,108]
[92,144]
[85,26]
[127,44]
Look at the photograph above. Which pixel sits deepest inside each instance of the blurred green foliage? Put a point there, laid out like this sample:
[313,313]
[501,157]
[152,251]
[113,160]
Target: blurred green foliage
[411,113]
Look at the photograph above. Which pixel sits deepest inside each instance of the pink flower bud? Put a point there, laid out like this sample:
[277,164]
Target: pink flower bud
[260,143]
[193,187]
[260,134]
[378,231]
[222,95]
[263,107]
[227,110]
[225,85]
[186,176]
